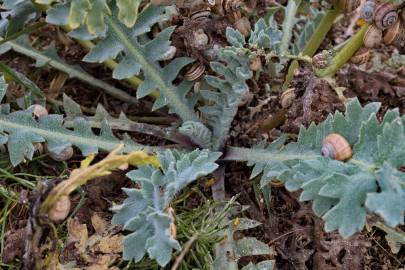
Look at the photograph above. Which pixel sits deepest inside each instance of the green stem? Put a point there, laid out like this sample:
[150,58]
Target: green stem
[167,90]
[344,54]
[315,41]
[73,72]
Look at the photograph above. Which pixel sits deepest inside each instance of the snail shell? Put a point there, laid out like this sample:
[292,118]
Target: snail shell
[201,14]
[255,64]
[361,56]
[394,33]
[195,71]
[170,53]
[349,5]
[243,26]
[385,15]
[37,110]
[372,37]
[200,38]
[287,98]
[320,60]
[66,154]
[60,210]
[336,147]
[367,11]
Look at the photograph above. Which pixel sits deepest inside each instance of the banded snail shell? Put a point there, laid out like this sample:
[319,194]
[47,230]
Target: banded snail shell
[336,147]
[201,14]
[320,60]
[372,37]
[367,11]
[287,98]
[349,5]
[361,56]
[385,15]
[195,71]
[394,33]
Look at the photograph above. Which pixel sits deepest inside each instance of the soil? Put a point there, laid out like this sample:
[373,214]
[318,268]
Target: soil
[290,228]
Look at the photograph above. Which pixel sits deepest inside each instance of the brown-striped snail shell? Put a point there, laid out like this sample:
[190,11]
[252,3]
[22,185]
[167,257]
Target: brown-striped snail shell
[320,60]
[394,33]
[367,11]
[349,5]
[361,56]
[195,71]
[201,14]
[60,209]
[385,15]
[66,154]
[287,98]
[37,110]
[336,147]
[227,6]
[372,37]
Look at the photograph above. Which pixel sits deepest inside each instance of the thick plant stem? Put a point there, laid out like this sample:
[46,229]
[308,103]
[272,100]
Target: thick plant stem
[344,54]
[314,43]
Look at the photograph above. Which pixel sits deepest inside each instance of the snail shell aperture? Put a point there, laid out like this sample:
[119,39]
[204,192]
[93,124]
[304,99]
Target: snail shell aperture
[336,147]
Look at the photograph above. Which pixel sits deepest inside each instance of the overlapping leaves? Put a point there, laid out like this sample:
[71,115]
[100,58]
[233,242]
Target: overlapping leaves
[146,210]
[135,52]
[343,192]
[20,131]
[231,85]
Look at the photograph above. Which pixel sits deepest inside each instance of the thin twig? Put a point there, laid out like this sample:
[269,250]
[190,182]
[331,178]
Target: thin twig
[186,248]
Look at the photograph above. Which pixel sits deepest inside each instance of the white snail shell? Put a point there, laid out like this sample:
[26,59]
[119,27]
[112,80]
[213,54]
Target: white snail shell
[37,110]
[170,53]
[195,71]
[367,11]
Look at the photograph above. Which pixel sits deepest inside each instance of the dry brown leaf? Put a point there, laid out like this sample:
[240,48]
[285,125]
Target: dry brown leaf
[78,233]
[99,224]
[103,262]
[109,245]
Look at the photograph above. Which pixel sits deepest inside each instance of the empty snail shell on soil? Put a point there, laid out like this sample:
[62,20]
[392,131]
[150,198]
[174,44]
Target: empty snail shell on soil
[367,11]
[195,71]
[336,147]
[287,98]
[200,14]
[385,15]
[320,60]
[349,5]
[37,110]
[394,33]
[66,154]
[60,210]
[361,56]
[200,38]
[372,37]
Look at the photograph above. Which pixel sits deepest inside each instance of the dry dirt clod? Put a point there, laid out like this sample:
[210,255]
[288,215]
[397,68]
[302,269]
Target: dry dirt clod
[60,210]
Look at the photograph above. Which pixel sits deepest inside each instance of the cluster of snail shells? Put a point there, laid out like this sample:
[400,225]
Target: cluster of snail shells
[386,24]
